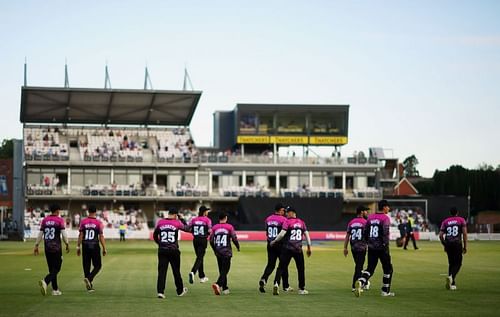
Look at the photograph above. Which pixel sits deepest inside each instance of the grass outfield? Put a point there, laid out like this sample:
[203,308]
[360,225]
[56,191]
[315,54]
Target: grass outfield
[127,284]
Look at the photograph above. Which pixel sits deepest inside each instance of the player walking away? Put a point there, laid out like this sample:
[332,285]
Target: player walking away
[200,228]
[453,232]
[166,236]
[274,224]
[220,241]
[376,233]
[294,231]
[51,230]
[354,234]
[91,233]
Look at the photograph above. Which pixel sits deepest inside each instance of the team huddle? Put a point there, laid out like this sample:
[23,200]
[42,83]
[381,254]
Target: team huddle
[367,234]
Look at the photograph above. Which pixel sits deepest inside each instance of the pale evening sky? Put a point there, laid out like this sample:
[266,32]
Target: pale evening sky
[421,77]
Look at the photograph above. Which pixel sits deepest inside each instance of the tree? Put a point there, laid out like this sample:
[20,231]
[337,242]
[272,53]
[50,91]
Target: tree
[482,183]
[485,167]
[410,166]
[7,149]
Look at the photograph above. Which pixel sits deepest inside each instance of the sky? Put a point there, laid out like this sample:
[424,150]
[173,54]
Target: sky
[421,77]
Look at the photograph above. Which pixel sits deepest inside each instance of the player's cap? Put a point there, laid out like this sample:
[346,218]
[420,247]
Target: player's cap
[290,208]
[54,207]
[383,203]
[222,215]
[278,206]
[92,209]
[203,208]
[361,209]
[172,211]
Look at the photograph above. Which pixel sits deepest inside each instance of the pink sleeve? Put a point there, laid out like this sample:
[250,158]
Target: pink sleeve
[285,225]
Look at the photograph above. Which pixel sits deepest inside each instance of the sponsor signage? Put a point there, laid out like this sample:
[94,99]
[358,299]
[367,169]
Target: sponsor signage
[289,139]
[335,140]
[253,139]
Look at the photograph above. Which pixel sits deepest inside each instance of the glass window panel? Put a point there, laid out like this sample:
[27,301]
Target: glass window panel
[120,177]
[34,178]
[134,178]
[317,181]
[90,178]
[104,179]
[265,123]
[328,123]
[77,178]
[291,123]
[248,123]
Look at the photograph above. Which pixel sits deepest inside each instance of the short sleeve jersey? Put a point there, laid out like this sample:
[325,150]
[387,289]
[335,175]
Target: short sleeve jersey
[200,226]
[377,231]
[295,229]
[51,227]
[355,229]
[221,236]
[166,234]
[274,224]
[453,228]
[91,228]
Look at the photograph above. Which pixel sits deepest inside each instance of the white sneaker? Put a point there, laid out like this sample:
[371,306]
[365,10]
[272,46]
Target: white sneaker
[387,294]
[226,292]
[276,289]
[216,289]
[288,289]
[43,287]
[184,291]
[56,293]
[453,287]
[161,295]
[88,284]
[204,279]
[367,286]
[303,292]
[358,288]
[262,286]
[449,281]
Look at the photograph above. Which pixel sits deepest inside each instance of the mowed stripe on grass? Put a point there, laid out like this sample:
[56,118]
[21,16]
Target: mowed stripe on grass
[127,284]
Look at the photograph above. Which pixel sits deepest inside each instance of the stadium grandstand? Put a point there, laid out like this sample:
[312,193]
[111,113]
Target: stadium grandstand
[130,152]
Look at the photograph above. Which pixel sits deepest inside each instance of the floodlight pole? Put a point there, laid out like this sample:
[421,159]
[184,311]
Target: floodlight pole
[25,72]
[66,77]
[147,80]
[107,80]
[187,80]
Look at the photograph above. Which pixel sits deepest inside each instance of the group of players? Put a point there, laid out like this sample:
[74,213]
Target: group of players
[367,234]
[371,233]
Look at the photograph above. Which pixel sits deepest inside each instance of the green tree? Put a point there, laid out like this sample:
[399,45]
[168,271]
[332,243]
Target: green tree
[7,149]
[410,166]
[483,183]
